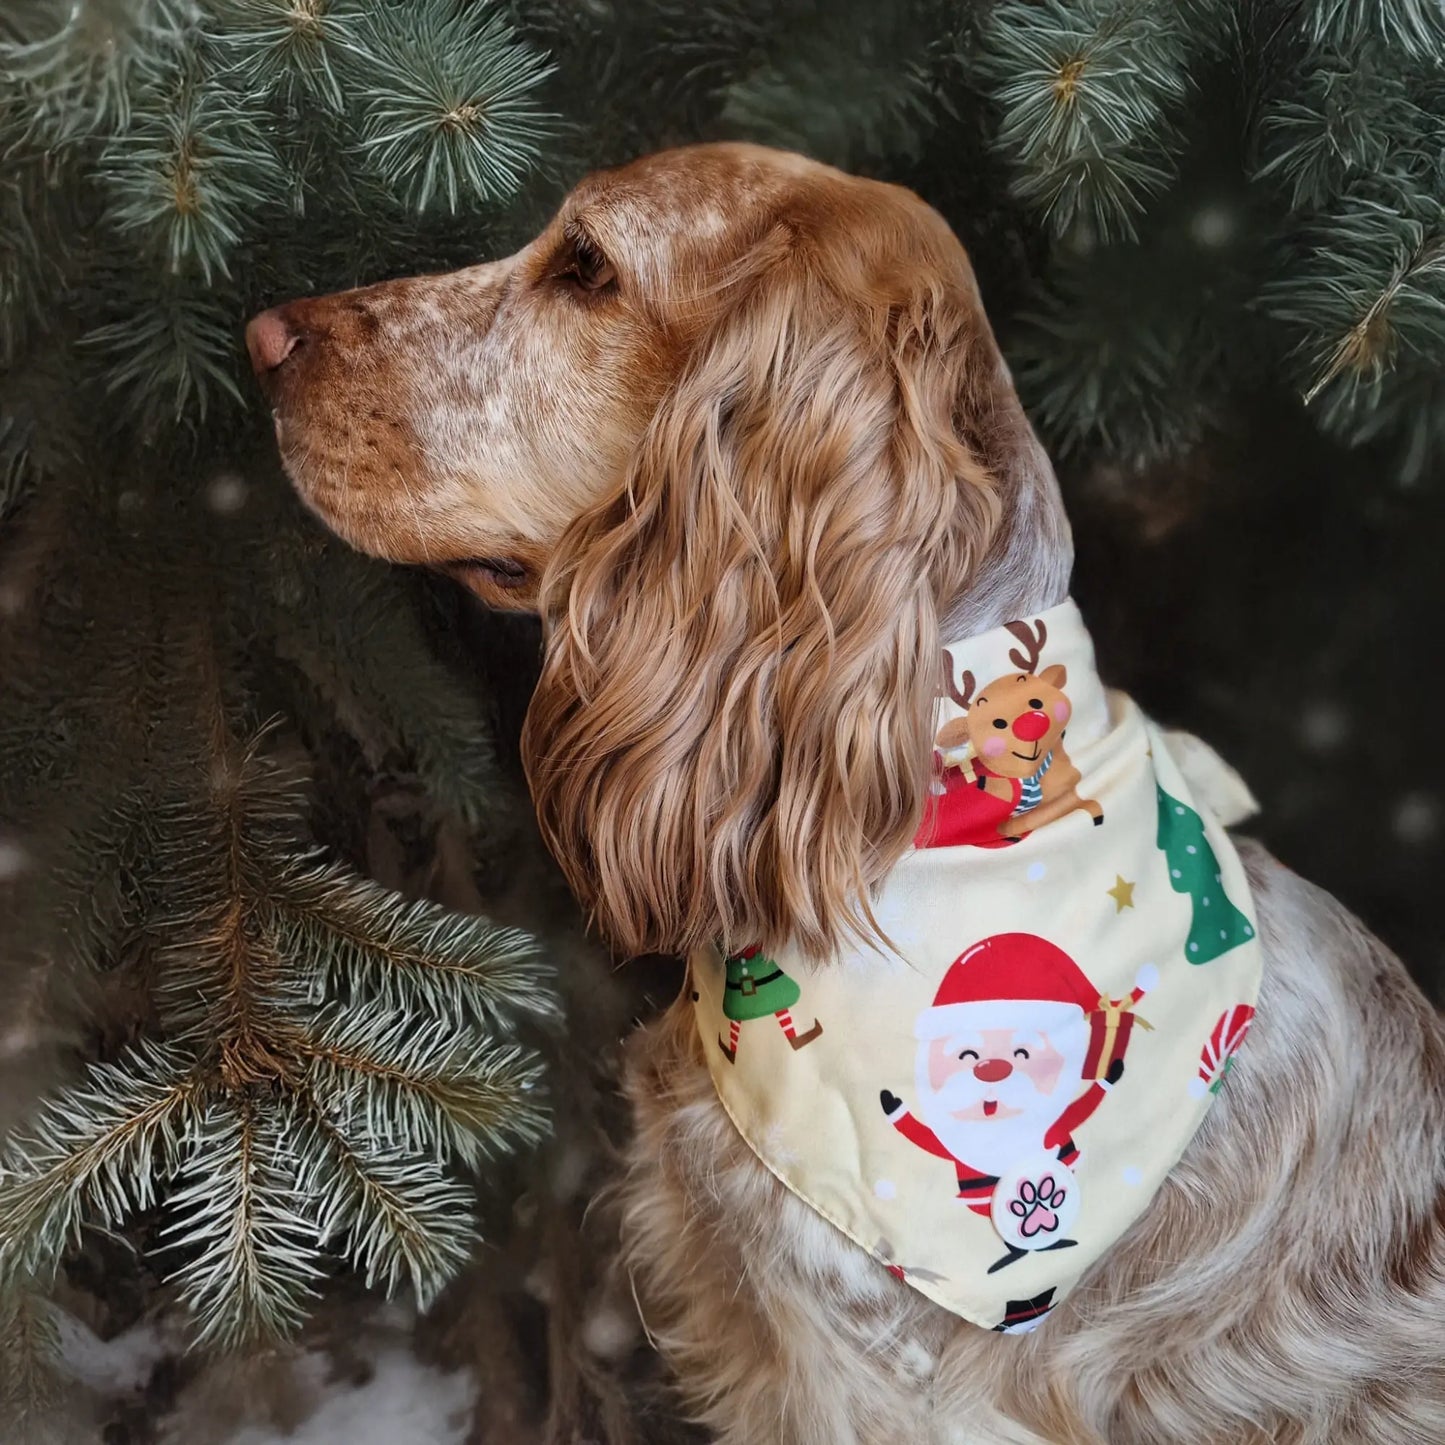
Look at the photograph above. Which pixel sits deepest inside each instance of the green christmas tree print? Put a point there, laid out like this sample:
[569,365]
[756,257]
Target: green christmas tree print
[1218,925]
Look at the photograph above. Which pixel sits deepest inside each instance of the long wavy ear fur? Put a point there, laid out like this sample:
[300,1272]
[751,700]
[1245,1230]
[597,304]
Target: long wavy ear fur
[731,738]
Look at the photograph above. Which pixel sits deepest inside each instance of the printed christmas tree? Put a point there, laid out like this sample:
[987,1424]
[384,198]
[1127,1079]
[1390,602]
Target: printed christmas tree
[1217,925]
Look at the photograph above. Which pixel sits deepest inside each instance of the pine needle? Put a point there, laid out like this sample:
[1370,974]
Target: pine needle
[448,103]
[254,1255]
[94,1153]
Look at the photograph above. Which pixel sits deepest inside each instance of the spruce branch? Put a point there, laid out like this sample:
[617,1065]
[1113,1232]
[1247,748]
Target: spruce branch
[424,1087]
[861,88]
[1367,286]
[1088,91]
[367,950]
[1351,118]
[28,248]
[398,1218]
[1105,373]
[254,1256]
[170,356]
[17,474]
[352,626]
[446,91]
[329,1051]
[188,172]
[78,59]
[1415,27]
[29,1349]
[297,50]
[94,1153]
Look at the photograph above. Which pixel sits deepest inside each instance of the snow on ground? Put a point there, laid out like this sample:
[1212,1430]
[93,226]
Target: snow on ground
[404,1403]
[384,1396]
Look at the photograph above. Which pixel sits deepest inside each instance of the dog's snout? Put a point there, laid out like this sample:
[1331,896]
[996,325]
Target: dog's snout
[992,1071]
[270,338]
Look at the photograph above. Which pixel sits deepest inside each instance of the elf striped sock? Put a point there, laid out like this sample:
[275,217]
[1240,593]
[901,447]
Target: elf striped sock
[786,1019]
[734,1029]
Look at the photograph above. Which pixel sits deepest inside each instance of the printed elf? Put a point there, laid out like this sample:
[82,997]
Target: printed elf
[754,988]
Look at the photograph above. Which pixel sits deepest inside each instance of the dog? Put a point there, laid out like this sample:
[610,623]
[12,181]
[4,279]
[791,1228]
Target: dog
[736,425]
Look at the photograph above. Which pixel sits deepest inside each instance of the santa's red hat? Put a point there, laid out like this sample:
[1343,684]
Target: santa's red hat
[1047,988]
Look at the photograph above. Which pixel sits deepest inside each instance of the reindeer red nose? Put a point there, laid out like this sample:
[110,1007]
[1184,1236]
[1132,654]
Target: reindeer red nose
[990,1071]
[1029,727]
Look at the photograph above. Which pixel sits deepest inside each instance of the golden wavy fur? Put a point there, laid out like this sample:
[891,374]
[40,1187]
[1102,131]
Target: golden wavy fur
[731,736]
[736,424]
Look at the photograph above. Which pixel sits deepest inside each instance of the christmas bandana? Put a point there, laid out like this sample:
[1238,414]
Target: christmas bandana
[987,1105]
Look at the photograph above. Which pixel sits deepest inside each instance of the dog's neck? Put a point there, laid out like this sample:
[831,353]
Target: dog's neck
[1030,557]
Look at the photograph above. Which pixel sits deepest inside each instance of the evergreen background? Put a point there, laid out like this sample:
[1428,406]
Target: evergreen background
[1211,237]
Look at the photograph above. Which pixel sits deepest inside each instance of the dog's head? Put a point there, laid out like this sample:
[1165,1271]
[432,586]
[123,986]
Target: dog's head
[736,424]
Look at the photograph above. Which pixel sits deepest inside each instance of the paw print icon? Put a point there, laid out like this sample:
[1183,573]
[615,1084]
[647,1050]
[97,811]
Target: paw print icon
[1035,1204]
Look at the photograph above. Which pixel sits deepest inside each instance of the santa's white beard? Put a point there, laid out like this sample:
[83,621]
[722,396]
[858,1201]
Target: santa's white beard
[994,1145]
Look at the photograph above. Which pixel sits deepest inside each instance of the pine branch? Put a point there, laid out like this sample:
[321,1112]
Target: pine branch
[1416,27]
[423,1087]
[78,59]
[398,1218]
[296,50]
[254,1256]
[446,92]
[189,172]
[170,357]
[29,1349]
[367,950]
[1089,90]
[94,1153]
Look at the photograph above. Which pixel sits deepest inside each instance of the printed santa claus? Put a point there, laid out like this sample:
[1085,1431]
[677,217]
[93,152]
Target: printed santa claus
[1016,1051]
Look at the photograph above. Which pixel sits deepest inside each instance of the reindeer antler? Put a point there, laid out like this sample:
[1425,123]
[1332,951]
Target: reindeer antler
[963,696]
[1029,660]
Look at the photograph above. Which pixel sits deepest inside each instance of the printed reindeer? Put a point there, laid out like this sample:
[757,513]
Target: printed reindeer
[1004,768]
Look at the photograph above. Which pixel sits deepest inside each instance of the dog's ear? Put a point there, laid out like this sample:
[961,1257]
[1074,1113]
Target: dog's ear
[732,735]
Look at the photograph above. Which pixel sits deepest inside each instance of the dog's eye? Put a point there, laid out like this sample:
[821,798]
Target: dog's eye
[1021,1053]
[583,266]
[968,1054]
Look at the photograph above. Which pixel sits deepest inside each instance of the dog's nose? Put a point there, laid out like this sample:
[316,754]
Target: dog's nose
[991,1071]
[270,338]
[1029,727]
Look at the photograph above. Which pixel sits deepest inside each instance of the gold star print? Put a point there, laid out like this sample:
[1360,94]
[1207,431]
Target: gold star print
[1122,893]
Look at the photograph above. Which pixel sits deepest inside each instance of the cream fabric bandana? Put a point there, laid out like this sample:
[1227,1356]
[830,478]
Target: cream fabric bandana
[988,1106]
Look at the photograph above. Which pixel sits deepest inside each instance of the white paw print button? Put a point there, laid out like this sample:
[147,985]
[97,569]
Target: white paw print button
[1035,1203]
